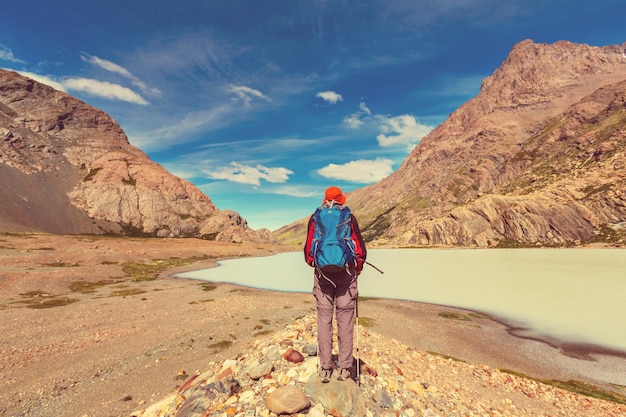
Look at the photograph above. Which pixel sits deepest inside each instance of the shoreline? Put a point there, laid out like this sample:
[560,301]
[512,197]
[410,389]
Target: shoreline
[566,360]
[531,310]
[577,356]
[577,350]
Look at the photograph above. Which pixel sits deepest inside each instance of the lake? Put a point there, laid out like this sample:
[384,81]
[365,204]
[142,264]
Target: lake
[561,295]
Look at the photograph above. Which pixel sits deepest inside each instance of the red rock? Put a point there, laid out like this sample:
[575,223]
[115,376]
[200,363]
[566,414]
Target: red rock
[226,372]
[293,356]
[366,369]
[187,384]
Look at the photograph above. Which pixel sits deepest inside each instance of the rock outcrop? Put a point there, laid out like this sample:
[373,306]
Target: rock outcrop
[67,167]
[394,380]
[536,158]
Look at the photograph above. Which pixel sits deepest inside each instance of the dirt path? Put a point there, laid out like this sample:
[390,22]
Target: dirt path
[88,330]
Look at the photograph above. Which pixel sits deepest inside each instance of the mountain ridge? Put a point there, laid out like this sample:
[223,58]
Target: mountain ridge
[533,159]
[69,168]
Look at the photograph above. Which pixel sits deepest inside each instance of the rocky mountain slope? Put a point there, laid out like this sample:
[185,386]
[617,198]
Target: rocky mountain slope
[67,167]
[536,158]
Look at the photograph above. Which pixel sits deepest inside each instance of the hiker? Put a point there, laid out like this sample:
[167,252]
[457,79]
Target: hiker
[335,287]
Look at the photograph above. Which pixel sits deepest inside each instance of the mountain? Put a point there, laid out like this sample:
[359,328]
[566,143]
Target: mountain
[68,168]
[536,158]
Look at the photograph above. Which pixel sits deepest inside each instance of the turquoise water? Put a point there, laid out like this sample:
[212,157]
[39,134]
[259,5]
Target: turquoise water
[567,295]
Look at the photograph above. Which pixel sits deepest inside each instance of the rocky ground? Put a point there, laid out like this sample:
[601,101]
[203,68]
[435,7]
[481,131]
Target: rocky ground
[275,378]
[92,326]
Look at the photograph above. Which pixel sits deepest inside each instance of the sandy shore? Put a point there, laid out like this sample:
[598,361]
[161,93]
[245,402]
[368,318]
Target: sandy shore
[87,331]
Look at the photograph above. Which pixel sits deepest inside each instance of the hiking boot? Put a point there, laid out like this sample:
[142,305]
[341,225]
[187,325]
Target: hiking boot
[325,375]
[344,374]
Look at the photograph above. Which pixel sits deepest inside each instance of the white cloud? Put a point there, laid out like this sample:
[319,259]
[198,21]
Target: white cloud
[118,69]
[330,96]
[356,119]
[6,54]
[247,94]
[247,174]
[300,191]
[107,65]
[398,130]
[89,86]
[401,130]
[353,121]
[104,89]
[360,171]
[44,80]
[363,107]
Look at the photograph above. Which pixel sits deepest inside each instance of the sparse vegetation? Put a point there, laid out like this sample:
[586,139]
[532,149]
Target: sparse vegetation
[506,243]
[209,236]
[378,226]
[578,387]
[587,389]
[21,235]
[609,235]
[34,293]
[441,355]
[87,287]
[39,299]
[591,190]
[148,271]
[135,231]
[126,292]
[462,317]
[208,287]
[366,321]
[219,346]
[454,316]
[49,303]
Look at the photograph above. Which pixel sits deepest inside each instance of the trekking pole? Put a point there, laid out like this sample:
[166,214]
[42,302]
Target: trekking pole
[375,267]
[358,359]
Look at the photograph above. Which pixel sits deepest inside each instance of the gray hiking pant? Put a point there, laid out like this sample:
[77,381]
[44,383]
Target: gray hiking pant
[341,299]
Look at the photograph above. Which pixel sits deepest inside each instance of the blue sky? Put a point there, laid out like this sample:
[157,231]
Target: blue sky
[264,104]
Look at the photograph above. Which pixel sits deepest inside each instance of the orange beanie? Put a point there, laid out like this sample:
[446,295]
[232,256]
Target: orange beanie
[334,194]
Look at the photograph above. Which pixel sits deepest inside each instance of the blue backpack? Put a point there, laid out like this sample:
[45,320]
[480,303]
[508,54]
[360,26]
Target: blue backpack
[332,247]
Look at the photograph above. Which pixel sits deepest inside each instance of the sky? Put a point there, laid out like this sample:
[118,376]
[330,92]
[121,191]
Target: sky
[264,104]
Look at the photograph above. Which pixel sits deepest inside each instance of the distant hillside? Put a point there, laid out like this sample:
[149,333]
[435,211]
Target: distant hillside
[67,167]
[537,158]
